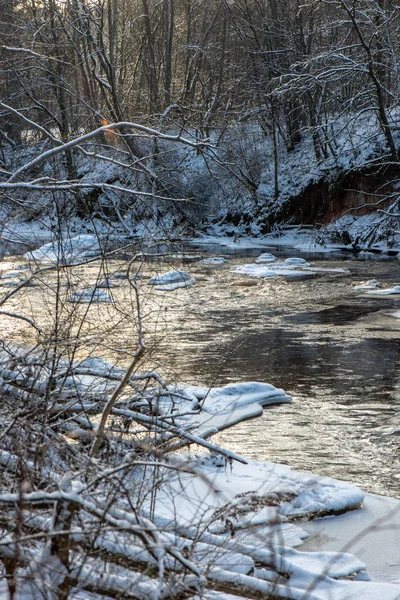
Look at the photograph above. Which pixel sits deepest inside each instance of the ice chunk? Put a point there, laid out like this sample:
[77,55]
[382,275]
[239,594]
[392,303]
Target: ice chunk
[10,282]
[12,275]
[386,292]
[90,295]
[371,284]
[170,287]
[238,395]
[295,262]
[67,251]
[266,258]
[185,258]
[254,271]
[214,261]
[107,284]
[170,277]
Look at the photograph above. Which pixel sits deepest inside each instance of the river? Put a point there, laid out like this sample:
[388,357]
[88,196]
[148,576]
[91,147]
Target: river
[334,350]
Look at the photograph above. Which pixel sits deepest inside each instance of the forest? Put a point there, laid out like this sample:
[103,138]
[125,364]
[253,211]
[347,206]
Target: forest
[272,99]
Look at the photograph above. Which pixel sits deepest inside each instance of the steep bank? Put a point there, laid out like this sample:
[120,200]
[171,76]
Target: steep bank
[335,194]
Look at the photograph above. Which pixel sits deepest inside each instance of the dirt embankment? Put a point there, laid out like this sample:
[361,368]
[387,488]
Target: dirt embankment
[360,191]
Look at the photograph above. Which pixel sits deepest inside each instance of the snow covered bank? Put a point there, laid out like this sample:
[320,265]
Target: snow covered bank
[251,509]
[218,408]
[231,522]
[372,534]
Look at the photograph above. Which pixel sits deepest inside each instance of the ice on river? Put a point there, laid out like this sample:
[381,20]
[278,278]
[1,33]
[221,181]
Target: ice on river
[290,267]
[246,506]
[371,284]
[266,257]
[208,410]
[255,270]
[215,261]
[172,280]
[385,292]
[67,251]
[266,497]
[90,295]
[232,486]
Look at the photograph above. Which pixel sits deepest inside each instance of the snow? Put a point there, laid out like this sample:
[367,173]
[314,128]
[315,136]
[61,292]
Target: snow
[218,408]
[291,267]
[173,280]
[295,262]
[90,295]
[170,277]
[266,257]
[214,261]
[67,251]
[371,533]
[385,292]
[371,284]
[170,287]
[254,270]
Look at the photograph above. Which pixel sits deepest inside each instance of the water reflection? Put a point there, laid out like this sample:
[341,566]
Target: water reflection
[335,351]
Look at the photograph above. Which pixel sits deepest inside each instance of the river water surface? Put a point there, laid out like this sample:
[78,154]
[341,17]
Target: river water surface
[336,351]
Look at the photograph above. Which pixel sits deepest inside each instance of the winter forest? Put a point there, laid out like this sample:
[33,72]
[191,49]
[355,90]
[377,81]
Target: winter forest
[199,299]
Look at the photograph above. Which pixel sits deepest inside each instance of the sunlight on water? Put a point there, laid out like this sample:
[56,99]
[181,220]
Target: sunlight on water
[336,351]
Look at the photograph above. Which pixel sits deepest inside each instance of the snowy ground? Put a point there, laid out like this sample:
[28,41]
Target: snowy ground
[372,534]
[243,513]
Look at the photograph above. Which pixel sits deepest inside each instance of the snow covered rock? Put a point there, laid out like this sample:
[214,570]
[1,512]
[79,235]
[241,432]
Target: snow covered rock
[107,284]
[266,257]
[295,262]
[214,261]
[170,287]
[68,251]
[12,275]
[170,277]
[386,292]
[371,284]
[254,271]
[172,280]
[90,295]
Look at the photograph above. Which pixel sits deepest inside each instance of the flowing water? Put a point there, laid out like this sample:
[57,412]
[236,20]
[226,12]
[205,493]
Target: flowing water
[334,350]
[337,352]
